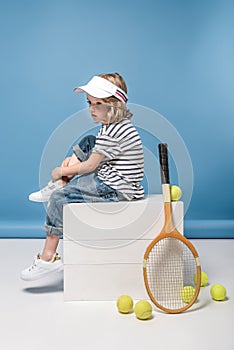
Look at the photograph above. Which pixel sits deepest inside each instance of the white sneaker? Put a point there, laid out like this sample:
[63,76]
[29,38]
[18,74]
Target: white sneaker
[44,194]
[41,268]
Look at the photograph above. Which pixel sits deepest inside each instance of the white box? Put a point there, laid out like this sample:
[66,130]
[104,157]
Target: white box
[104,282]
[104,244]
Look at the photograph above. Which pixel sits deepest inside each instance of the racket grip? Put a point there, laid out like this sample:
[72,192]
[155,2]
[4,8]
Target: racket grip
[164,168]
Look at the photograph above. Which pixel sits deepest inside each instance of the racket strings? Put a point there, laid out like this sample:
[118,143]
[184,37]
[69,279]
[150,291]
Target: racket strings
[170,267]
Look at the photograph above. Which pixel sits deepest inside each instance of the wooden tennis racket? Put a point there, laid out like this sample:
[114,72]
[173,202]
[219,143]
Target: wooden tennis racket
[171,261]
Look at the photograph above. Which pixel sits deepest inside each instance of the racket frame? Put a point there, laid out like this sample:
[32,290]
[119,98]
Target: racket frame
[169,231]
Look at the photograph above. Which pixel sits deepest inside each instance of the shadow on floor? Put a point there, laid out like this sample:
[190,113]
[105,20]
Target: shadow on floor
[47,287]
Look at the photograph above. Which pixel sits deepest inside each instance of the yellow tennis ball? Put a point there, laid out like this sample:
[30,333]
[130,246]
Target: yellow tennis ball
[218,292]
[124,304]
[143,310]
[187,294]
[204,279]
[176,193]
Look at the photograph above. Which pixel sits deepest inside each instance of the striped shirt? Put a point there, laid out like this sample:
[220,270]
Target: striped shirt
[122,167]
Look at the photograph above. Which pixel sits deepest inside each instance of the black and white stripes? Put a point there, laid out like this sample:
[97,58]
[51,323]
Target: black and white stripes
[123,165]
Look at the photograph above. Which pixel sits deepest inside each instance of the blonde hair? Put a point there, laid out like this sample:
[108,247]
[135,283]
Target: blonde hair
[117,109]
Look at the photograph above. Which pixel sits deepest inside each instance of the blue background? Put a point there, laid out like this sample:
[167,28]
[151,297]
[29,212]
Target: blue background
[177,57]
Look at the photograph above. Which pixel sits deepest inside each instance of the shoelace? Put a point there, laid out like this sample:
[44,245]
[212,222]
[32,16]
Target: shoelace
[33,265]
[50,186]
[45,189]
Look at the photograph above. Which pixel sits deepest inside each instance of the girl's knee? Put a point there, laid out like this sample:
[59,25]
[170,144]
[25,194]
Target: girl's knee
[87,143]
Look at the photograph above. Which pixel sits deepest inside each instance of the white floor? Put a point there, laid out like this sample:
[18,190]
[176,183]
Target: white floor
[34,315]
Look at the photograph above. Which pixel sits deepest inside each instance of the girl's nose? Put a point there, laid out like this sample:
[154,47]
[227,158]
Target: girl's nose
[91,108]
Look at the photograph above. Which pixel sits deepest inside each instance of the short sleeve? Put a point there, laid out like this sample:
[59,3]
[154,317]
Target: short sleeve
[107,145]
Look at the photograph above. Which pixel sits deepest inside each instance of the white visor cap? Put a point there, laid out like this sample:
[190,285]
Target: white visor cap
[101,88]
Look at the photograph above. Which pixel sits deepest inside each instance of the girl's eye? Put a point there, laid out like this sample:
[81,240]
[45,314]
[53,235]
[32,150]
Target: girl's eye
[94,104]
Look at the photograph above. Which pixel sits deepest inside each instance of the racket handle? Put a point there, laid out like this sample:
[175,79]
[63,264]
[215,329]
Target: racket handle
[163,158]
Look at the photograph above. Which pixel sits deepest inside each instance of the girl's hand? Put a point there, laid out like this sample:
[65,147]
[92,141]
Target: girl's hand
[57,173]
[66,162]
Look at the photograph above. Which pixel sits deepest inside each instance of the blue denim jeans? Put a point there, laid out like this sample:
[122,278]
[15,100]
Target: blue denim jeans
[81,189]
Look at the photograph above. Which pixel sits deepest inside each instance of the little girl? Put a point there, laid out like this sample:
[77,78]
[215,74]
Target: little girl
[108,167]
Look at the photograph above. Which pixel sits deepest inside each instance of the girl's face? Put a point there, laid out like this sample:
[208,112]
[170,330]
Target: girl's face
[98,109]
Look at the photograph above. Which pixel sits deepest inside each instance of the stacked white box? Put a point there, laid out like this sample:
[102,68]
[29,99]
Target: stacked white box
[104,245]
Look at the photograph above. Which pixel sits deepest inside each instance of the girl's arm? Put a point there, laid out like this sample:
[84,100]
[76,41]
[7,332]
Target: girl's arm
[80,168]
